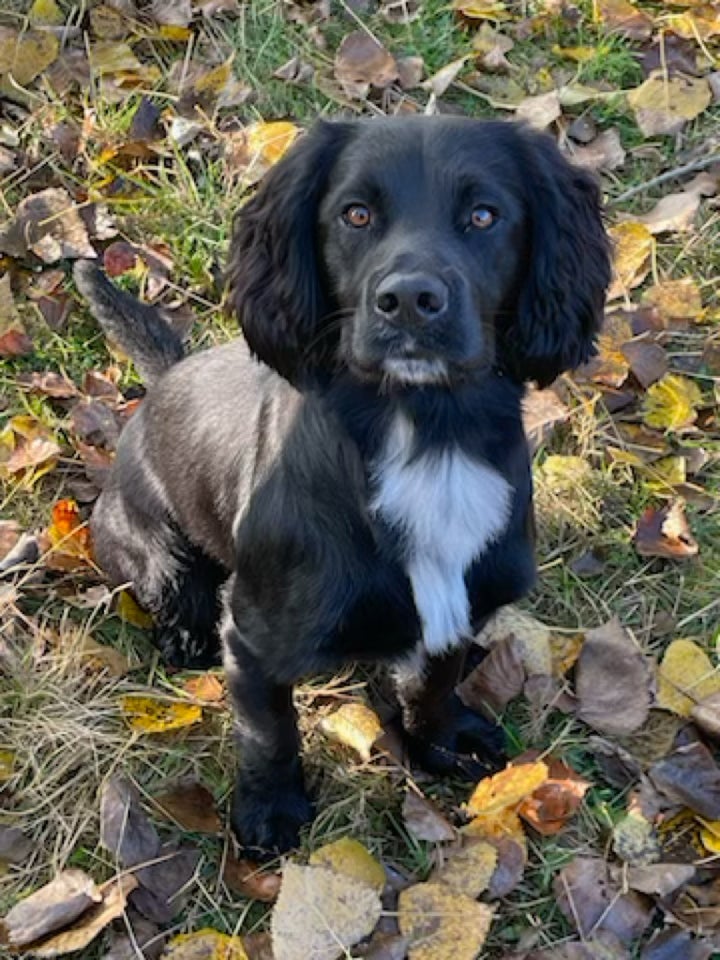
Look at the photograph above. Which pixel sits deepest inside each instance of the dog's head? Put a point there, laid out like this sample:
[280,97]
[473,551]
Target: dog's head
[421,251]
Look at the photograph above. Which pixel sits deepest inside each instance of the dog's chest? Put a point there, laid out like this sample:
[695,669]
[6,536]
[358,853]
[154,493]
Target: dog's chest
[448,508]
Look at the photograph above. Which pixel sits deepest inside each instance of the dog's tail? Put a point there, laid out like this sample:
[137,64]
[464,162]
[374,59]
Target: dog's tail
[139,329]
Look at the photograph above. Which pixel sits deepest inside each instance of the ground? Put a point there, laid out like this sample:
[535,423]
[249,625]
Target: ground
[168,142]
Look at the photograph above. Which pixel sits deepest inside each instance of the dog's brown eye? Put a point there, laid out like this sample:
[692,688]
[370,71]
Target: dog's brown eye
[357,215]
[482,218]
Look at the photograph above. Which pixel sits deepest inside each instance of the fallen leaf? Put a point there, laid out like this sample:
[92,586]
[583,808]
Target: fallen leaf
[251,880]
[350,858]
[542,411]
[45,13]
[648,361]
[552,804]
[623,18]
[84,930]
[48,384]
[635,840]
[633,245]
[503,825]
[119,258]
[675,213]
[605,152]
[533,638]
[94,423]
[702,22]
[506,789]
[467,869]
[438,83]
[101,657]
[270,141]
[691,777]
[148,715]
[676,299]
[665,532]
[208,687]
[24,56]
[191,806]
[130,612]
[671,403]
[706,716]
[672,944]
[481,9]
[14,341]
[57,904]
[658,879]
[15,847]
[320,913]
[362,62]
[540,111]
[592,902]
[610,366]
[612,681]
[205,944]
[49,224]
[671,53]
[497,680]
[685,677]
[665,104]
[439,922]
[512,857]
[69,536]
[423,820]
[354,725]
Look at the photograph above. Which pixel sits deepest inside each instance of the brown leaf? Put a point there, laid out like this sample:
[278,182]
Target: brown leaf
[664,532]
[251,880]
[26,55]
[676,299]
[553,803]
[15,847]
[605,152]
[613,681]
[207,687]
[676,945]
[191,806]
[119,258]
[14,341]
[671,53]
[540,110]
[622,17]
[675,213]
[49,224]
[691,777]
[125,830]
[93,422]
[53,906]
[658,879]
[48,384]
[361,62]
[648,361]
[511,861]
[592,902]
[423,820]
[542,411]
[635,840]
[665,104]
[707,715]
[497,680]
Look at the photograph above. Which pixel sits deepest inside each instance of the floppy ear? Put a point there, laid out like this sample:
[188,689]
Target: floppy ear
[561,305]
[274,276]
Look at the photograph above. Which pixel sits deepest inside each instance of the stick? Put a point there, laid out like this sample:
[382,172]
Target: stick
[668,175]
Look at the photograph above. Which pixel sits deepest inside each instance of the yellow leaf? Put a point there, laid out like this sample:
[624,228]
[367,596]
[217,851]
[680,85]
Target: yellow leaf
[108,57]
[441,924]
[506,823]
[700,24]
[666,472]
[507,788]
[676,299]
[214,81]
[147,715]
[45,13]
[578,54]
[271,140]
[25,56]
[710,839]
[468,869]
[623,17]
[671,403]
[130,612]
[205,944]
[354,725]
[685,677]
[175,33]
[565,649]
[562,474]
[350,858]
[633,245]
[664,104]
[482,9]
[7,765]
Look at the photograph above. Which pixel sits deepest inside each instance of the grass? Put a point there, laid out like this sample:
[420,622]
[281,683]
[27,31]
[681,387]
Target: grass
[62,722]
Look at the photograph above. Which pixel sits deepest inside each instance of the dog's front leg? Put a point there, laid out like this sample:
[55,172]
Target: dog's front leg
[269,802]
[444,736]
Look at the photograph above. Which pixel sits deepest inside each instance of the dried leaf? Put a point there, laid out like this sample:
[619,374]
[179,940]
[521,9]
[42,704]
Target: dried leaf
[659,879]
[251,880]
[354,725]
[540,111]
[549,807]
[612,681]
[648,361]
[665,104]
[362,62]
[622,17]
[706,716]
[671,403]
[320,913]
[605,152]
[148,715]
[505,790]
[467,869]
[691,777]
[15,847]
[481,9]
[685,677]
[497,680]
[191,806]
[48,384]
[100,657]
[665,532]
[633,245]
[58,903]
[205,944]
[504,825]
[270,141]
[676,211]
[635,840]
[25,56]
[208,687]
[14,341]
[439,922]
[592,903]
[69,535]
[350,858]
[439,82]
[676,299]
[130,612]
[512,857]
[49,224]
[45,13]
[423,820]
[119,258]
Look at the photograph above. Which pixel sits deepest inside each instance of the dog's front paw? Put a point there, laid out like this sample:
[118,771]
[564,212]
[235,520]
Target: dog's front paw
[465,745]
[269,824]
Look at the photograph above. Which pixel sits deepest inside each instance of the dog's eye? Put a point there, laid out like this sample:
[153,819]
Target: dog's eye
[357,215]
[482,218]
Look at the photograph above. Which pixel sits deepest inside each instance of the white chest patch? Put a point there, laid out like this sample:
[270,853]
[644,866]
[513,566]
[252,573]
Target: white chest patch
[450,508]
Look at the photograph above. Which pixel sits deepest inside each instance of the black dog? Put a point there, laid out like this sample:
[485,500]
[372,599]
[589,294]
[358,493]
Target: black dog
[364,490]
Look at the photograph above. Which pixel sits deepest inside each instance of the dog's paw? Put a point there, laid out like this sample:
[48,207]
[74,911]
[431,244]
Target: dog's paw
[467,745]
[268,825]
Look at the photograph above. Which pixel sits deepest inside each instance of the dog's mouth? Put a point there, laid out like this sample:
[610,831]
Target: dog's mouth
[415,370]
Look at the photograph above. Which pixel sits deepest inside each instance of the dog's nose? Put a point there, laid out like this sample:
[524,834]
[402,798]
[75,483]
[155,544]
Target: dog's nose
[411,296]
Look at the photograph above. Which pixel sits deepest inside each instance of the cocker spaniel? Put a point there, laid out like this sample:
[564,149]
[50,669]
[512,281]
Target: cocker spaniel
[351,481]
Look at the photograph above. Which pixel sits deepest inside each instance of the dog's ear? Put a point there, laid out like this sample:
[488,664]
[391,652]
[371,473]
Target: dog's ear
[274,278]
[560,308]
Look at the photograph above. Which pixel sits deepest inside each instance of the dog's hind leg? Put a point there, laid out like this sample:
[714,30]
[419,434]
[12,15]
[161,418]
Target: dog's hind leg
[177,584]
[269,801]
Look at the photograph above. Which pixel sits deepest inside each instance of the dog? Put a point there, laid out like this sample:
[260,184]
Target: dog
[350,481]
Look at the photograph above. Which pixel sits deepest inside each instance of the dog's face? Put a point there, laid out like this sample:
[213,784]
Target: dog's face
[421,251]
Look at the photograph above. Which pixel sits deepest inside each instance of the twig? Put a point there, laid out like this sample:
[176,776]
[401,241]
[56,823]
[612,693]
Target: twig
[668,175]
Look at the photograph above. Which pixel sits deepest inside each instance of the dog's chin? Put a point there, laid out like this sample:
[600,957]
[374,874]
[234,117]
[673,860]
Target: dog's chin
[415,371]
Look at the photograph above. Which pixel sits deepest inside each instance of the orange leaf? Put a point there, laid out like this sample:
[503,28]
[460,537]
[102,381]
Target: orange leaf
[507,788]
